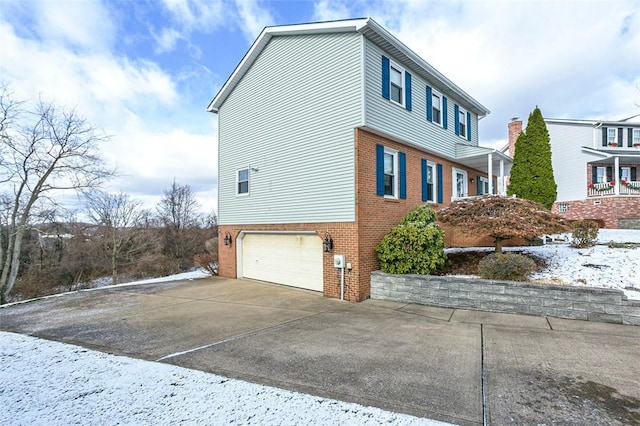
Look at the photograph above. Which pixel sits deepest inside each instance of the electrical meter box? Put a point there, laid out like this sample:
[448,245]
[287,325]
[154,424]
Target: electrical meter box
[338,260]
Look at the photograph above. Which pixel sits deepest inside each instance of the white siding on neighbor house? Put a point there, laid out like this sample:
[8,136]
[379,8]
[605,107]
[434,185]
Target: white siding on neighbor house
[568,159]
[292,117]
[410,126]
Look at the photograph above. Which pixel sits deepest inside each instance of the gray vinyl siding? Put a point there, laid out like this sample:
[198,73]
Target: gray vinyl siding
[410,126]
[292,117]
[568,159]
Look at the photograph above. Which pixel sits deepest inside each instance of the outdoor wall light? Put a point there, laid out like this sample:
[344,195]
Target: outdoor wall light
[227,239]
[471,180]
[327,243]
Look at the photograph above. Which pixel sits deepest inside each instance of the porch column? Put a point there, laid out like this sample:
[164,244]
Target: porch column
[490,172]
[501,188]
[616,174]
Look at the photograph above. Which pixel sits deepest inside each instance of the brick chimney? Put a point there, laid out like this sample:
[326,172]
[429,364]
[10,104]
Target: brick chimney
[515,128]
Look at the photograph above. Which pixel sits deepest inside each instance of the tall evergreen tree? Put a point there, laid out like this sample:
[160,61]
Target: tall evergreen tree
[532,171]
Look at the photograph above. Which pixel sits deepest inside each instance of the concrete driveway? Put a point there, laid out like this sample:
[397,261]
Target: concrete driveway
[458,366]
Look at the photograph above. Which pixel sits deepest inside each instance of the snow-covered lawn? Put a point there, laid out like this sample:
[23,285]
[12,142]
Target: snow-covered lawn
[51,383]
[598,266]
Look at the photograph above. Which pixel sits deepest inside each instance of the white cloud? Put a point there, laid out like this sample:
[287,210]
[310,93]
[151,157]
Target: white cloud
[197,14]
[254,17]
[167,40]
[326,10]
[575,60]
[134,100]
[83,24]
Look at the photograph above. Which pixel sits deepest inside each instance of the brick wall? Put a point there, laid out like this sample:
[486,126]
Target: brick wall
[610,210]
[589,304]
[344,238]
[375,215]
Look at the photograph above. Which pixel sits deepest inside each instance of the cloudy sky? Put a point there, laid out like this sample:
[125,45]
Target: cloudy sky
[145,70]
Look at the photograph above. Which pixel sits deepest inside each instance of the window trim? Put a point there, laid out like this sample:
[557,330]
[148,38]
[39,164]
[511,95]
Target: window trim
[436,94]
[434,175]
[462,121]
[238,181]
[394,66]
[615,136]
[604,174]
[635,136]
[482,181]
[396,173]
[465,180]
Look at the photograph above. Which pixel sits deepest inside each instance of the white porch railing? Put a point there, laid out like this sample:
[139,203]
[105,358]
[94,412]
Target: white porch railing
[605,189]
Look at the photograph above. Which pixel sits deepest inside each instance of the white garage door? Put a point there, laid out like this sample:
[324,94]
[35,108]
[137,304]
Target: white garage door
[290,259]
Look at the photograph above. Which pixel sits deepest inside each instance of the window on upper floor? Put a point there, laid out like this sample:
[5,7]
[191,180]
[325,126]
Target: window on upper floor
[396,81]
[463,122]
[635,137]
[436,107]
[612,138]
[462,117]
[242,181]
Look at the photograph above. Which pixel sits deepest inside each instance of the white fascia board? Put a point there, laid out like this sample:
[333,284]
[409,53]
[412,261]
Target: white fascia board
[259,44]
[361,25]
[476,106]
[596,123]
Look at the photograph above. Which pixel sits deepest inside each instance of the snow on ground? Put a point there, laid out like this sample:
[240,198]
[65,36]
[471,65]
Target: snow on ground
[598,266]
[51,383]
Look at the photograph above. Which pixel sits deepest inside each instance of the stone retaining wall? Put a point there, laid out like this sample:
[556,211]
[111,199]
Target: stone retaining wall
[583,303]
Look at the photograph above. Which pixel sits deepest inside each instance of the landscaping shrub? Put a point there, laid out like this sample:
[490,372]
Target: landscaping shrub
[415,246]
[585,233]
[506,266]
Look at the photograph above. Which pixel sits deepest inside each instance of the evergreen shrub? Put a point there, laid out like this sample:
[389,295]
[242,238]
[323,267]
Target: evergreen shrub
[506,266]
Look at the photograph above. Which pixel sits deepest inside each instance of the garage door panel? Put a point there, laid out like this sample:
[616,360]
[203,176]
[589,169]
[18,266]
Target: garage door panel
[290,259]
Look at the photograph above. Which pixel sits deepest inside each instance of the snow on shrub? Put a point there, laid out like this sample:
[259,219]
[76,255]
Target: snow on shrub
[585,234]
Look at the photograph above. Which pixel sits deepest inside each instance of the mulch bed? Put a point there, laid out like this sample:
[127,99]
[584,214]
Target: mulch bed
[466,262]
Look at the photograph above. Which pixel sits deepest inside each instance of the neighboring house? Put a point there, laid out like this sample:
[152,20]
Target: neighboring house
[333,131]
[595,165]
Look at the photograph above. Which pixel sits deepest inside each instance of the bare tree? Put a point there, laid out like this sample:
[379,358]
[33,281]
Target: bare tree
[120,217]
[44,151]
[501,218]
[179,214]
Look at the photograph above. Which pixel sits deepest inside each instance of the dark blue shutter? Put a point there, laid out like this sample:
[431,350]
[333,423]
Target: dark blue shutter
[634,174]
[429,104]
[594,174]
[609,174]
[630,137]
[386,69]
[456,112]
[425,183]
[620,132]
[468,126]
[604,136]
[439,177]
[380,170]
[407,90]
[478,186]
[445,119]
[403,174]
